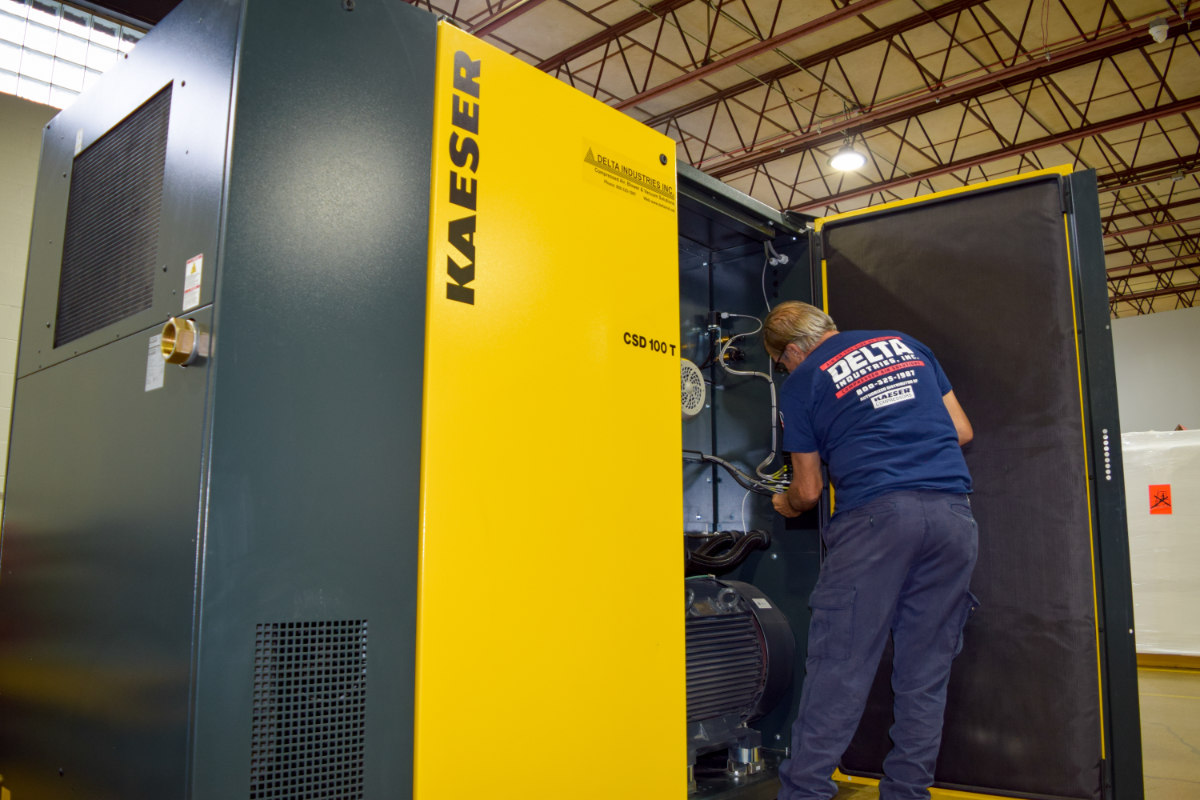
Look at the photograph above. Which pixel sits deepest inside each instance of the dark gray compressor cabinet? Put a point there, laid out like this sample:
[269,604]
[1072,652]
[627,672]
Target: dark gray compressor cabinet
[232,172]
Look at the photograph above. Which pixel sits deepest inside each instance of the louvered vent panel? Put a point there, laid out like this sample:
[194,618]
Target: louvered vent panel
[309,722]
[110,247]
[724,666]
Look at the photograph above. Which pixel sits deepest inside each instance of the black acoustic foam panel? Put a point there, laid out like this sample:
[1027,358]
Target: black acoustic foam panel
[983,279]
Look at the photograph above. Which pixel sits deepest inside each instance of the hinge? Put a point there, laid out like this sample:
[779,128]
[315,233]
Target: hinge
[1065,196]
[816,242]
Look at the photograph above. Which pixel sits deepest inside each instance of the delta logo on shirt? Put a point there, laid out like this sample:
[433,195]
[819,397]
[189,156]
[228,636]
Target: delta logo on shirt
[882,370]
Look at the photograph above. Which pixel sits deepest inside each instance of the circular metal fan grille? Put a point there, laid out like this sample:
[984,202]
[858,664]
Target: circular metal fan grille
[691,386]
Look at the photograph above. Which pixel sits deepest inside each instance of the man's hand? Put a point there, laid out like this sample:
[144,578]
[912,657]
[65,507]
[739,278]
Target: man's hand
[780,501]
[805,489]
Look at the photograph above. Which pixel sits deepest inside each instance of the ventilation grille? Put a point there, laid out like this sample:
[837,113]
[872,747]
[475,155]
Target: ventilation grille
[310,694]
[110,246]
[724,666]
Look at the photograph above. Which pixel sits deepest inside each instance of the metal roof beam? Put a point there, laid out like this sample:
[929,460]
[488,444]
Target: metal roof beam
[1147,173]
[1149,272]
[816,59]
[1163,224]
[1169,109]
[1191,287]
[766,45]
[1164,209]
[1129,248]
[1155,263]
[611,33]
[927,101]
[504,17]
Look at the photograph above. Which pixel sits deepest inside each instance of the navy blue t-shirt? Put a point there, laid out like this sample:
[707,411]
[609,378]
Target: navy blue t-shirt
[870,402]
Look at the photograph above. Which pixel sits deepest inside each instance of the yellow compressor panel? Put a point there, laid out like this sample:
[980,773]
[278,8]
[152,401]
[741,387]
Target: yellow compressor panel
[550,625]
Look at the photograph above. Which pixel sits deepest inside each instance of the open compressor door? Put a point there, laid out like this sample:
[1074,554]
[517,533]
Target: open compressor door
[993,279]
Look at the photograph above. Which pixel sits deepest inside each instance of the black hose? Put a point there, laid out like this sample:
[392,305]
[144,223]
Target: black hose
[706,559]
[710,546]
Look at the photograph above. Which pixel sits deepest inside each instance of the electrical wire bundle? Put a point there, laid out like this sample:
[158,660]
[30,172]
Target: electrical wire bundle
[768,485]
[761,482]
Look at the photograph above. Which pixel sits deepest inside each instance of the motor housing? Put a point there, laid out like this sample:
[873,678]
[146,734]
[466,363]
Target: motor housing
[740,656]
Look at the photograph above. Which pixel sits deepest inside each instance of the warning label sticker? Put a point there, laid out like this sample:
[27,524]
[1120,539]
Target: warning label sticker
[191,282]
[601,166]
[1160,498]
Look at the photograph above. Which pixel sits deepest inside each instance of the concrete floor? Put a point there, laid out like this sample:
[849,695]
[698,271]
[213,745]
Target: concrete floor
[1170,703]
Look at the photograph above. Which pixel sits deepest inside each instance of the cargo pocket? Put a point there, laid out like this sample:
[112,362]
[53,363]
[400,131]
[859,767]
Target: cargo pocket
[970,603]
[832,628]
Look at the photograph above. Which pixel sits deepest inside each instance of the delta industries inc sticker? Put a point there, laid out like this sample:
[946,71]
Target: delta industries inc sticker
[628,176]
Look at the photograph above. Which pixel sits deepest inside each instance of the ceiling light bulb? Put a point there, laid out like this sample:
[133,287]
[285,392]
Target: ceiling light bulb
[1158,29]
[847,159]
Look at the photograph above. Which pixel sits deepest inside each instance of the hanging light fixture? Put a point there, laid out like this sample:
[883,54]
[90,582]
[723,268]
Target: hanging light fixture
[1159,29]
[847,159]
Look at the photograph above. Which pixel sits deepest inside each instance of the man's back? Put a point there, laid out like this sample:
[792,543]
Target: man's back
[871,403]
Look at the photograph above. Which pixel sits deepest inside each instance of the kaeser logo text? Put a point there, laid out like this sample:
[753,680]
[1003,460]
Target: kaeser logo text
[464,153]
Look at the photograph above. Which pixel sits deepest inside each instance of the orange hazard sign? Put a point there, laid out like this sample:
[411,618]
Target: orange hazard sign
[1160,498]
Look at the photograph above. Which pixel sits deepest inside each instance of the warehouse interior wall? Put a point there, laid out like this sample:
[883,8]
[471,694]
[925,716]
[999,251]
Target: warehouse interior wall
[1158,370]
[1162,491]
[1158,379]
[21,123]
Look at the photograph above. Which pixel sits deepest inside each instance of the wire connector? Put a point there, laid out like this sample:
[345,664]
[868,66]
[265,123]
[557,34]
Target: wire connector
[774,257]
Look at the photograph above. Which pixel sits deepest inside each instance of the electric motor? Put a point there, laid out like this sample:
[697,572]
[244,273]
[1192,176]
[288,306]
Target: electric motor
[740,651]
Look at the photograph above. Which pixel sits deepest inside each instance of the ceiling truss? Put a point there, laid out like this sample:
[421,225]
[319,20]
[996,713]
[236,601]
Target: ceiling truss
[936,93]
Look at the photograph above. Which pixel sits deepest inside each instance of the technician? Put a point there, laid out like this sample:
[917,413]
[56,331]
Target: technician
[877,409]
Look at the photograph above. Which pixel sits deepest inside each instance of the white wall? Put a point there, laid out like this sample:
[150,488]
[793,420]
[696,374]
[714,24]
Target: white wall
[21,125]
[1164,549]
[1158,370]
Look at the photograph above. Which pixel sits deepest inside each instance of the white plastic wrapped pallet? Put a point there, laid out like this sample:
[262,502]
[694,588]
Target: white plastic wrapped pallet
[1164,538]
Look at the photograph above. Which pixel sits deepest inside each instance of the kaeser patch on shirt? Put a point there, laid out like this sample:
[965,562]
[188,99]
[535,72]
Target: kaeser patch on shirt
[871,362]
[890,396]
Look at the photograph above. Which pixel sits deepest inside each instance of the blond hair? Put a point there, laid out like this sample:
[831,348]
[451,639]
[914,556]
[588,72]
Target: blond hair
[795,322]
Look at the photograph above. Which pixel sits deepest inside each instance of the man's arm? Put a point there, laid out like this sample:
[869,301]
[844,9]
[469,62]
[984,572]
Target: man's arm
[805,488]
[959,417]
